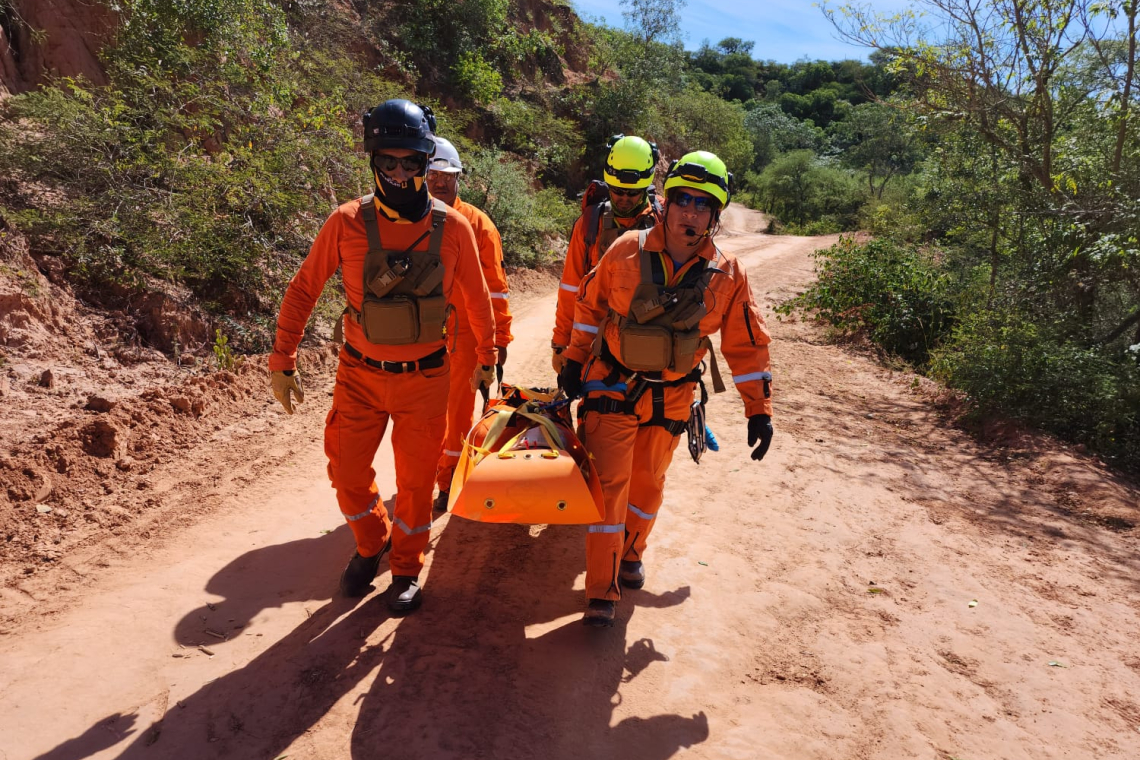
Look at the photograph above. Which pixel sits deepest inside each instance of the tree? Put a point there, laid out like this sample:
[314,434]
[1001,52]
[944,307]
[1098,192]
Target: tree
[735,45]
[876,139]
[773,131]
[994,62]
[654,20]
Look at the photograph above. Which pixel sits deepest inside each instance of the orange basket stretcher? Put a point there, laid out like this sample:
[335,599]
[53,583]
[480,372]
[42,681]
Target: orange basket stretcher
[522,463]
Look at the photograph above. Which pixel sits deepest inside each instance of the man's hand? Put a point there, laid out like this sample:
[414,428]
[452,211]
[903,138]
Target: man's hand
[557,360]
[502,354]
[285,384]
[570,378]
[759,429]
[484,377]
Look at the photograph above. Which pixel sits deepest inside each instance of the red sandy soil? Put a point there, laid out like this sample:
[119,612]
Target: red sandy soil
[882,585]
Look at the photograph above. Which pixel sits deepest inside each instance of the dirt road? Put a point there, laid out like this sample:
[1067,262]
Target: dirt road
[880,586]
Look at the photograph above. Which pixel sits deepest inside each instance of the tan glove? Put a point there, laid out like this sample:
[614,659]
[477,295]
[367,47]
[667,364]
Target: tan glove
[284,383]
[484,377]
[557,360]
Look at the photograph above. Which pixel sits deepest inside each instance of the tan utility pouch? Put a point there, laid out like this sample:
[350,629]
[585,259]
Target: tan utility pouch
[429,280]
[384,281]
[646,348]
[685,345]
[390,321]
[433,317]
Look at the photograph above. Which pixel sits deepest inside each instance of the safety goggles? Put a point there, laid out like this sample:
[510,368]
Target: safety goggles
[629,176]
[681,199]
[622,193]
[387,163]
[697,173]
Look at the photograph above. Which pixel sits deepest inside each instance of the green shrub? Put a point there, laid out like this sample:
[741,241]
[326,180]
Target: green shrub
[896,295]
[199,164]
[693,119]
[527,220]
[536,132]
[477,78]
[799,188]
[1010,366]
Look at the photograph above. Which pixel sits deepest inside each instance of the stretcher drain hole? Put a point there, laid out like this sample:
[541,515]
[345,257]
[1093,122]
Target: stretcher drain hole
[561,506]
[489,503]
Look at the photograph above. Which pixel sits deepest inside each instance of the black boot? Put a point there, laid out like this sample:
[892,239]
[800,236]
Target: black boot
[600,613]
[357,576]
[631,573]
[440,503]
[404,594]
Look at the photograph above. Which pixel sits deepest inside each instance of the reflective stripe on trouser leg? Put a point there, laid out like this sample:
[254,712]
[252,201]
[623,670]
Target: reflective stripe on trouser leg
[460,406]
[610,438]
[652,455]
[353,430]
[419,421]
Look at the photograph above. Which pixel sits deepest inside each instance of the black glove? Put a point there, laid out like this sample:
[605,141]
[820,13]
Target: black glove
[570,378]
[759,429]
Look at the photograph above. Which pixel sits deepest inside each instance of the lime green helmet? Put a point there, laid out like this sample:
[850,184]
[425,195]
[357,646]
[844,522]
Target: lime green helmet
[701,170]
[630,163]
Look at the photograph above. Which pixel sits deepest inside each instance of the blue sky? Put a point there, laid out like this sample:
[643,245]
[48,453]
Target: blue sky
[783,30]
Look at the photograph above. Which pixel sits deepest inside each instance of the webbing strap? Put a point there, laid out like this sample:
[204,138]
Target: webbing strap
[714,369]
[658,418]
[592,229]
[368,211]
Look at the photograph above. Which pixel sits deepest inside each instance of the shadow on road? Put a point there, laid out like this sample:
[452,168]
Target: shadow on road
[495,664]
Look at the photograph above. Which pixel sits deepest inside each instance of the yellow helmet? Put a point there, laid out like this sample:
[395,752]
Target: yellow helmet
[631,162]
[701,170]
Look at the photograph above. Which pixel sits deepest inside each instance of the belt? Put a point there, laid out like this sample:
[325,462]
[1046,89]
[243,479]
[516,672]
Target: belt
[431,361]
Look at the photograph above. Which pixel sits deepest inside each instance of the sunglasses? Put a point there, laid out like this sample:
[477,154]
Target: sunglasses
[698,202]
[387,163]
[620,193]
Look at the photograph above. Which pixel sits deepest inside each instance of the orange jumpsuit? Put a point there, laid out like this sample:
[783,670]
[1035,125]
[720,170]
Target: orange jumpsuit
[366,397]
[579,261]
[633,451]
[460,398]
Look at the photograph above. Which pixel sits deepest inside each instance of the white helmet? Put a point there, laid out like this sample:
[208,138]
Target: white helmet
[446,157]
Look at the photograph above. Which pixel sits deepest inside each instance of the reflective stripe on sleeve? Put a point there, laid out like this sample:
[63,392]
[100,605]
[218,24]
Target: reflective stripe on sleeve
[499,295]
[752,376]
[586,328]
[450,453]
[620,528]
[571,288]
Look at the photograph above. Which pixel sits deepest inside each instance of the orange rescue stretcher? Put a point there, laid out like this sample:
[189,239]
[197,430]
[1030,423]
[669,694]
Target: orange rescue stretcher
[522,463]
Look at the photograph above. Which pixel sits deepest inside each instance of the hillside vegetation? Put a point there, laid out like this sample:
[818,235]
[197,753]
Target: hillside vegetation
[989,147]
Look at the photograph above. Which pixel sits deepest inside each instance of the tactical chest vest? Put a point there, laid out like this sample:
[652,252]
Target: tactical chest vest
[604,229]
[403,290]
[662,329]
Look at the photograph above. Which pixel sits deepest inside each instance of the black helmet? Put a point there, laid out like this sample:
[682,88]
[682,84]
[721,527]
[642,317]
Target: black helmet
[399,124]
